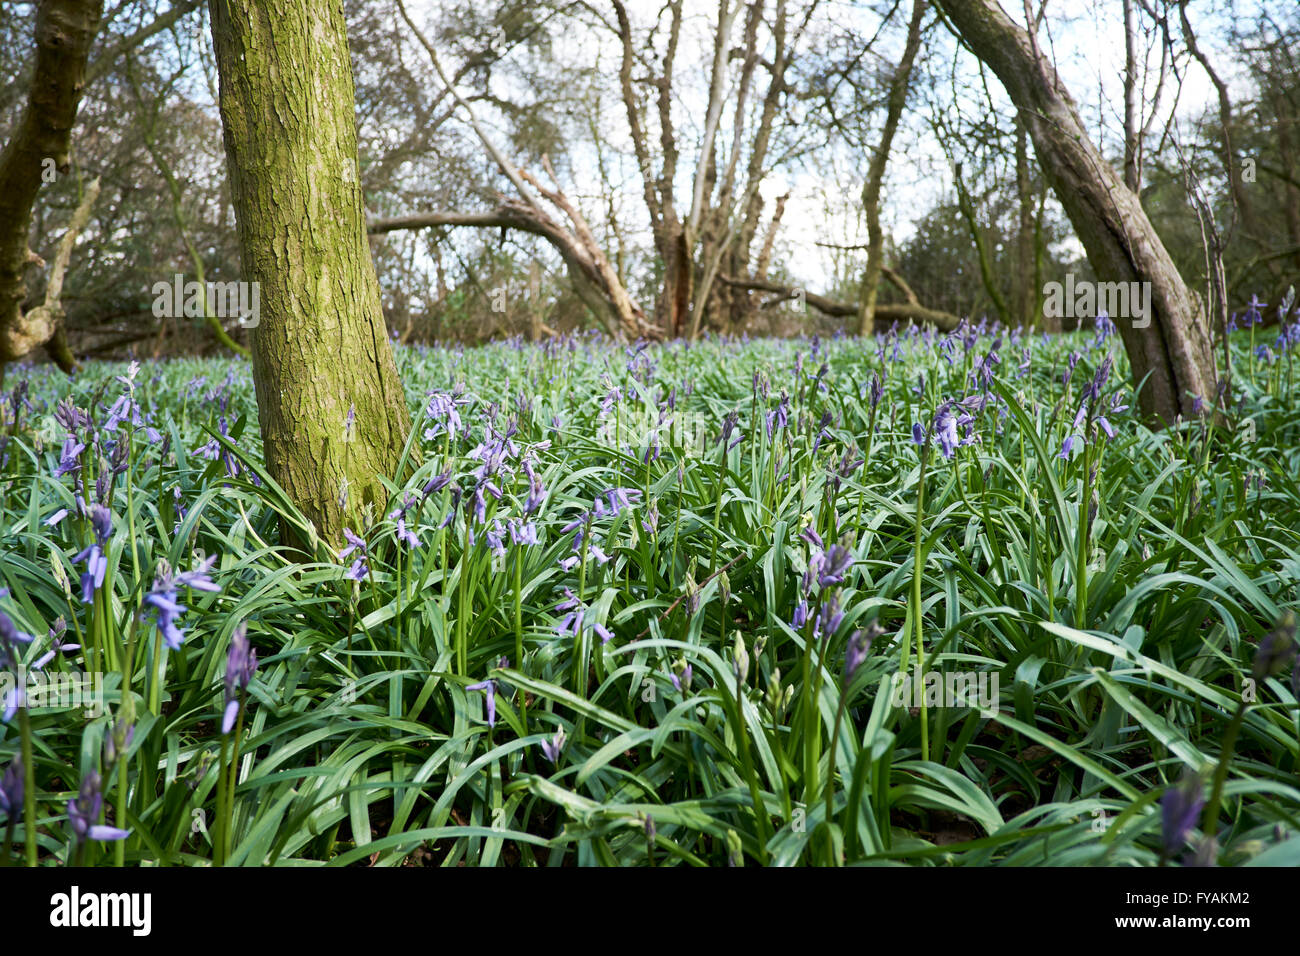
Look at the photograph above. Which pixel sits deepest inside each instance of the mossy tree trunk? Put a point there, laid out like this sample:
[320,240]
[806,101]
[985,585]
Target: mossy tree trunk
[320,346]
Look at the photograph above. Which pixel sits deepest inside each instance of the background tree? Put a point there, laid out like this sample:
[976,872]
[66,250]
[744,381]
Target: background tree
[37,149]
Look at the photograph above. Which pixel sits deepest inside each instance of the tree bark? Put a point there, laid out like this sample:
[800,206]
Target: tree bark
[1026,236]
[65,30]
[897,100]
[320,347]
[1170,350]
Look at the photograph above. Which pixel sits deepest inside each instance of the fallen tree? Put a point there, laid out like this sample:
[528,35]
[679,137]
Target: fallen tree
[594,277]
[909,311]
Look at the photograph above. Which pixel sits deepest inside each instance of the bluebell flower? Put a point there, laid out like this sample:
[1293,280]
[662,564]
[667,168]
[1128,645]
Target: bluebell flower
[398,515]
[443,410]
[682,681]
[551,748]
[11,789]
[489,689]
[117,742]
[241,663]
[829,617]
[70,458]
[57,646]
[436,483]
[729,426]
[92,579]
[360,567]
[779,417]
[875,389]
[1253,316]
[859,647]
[1277,649]
[536,493]
[522,532]
[828,568]
[83,812]
[651,520]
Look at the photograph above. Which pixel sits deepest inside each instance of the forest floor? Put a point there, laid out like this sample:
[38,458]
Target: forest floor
[930,599]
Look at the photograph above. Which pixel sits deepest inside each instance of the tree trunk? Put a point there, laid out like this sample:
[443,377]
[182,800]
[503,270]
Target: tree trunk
[320,347]
[1169,348]
[1026,236]
[65,30]
[876,173]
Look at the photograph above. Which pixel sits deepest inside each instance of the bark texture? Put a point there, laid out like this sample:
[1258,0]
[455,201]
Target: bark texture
[1173,352]
[897,100]
[65,30]
[320,347]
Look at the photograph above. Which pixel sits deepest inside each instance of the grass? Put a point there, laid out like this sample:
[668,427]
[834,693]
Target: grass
[685,667]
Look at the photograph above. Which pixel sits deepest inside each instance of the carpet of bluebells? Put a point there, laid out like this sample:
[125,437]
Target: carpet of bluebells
[654,605]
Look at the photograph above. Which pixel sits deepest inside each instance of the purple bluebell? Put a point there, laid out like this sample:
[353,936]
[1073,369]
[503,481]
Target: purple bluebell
[70,458]
[536,493]
[1253,316]
[619,498]
[945,430]
[829,616]
[828,568]
[11,789]
[682,681]
[92,579]
[83,812]
[360,566]
[800,617]
[436,483]
[57,646]
[489,690]
[729,426]
[551,748]
[241,663]
[522,532]
[859,647]
[443,411]
[651,520]
[398,515]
